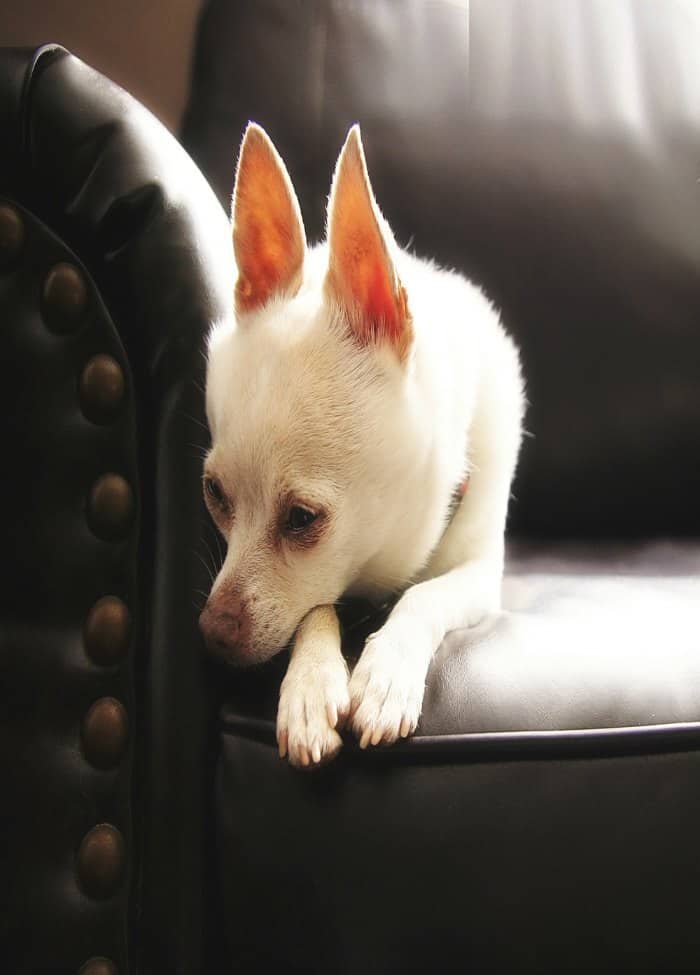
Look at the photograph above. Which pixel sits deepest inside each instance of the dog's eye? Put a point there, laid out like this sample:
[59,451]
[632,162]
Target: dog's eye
[299,519]
[214,491]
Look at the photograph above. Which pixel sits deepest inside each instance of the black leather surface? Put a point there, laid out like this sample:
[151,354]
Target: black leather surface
[536,865]
[547,148]
[117,189]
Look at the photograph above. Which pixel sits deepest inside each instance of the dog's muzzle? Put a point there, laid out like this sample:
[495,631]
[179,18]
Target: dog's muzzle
[226,631]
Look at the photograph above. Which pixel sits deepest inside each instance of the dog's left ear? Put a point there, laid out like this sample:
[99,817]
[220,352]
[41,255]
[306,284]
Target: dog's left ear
[361,275]
[268,234]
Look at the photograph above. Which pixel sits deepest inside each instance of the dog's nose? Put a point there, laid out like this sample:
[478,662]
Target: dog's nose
[226,631]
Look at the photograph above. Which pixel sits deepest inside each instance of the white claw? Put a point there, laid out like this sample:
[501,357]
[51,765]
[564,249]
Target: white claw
[283,744]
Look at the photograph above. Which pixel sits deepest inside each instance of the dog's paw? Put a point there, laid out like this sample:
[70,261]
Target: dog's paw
[314,705]
[386,692]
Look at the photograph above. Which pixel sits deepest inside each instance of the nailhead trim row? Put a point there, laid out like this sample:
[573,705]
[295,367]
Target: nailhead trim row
[101,856]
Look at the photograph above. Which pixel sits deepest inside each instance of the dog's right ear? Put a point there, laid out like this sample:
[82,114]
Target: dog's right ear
[269,242]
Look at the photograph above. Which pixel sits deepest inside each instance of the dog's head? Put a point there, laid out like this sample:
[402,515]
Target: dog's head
[311,423]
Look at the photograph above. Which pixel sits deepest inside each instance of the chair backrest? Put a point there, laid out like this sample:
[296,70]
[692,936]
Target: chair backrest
[547,148]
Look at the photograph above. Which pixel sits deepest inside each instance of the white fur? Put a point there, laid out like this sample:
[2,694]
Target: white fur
[295,404]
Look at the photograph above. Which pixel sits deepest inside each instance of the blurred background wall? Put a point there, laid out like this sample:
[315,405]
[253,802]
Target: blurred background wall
[143,45]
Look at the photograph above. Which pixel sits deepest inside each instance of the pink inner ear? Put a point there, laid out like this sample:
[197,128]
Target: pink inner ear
[380,311]
[362,279]
[361,274]
[268,235]
[363,283]
[265,267]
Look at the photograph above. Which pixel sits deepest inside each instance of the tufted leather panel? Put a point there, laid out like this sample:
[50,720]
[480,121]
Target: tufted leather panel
[58,785]
[548,148]
[104,187]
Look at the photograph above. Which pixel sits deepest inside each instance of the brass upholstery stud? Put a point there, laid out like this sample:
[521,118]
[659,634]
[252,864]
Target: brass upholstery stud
[11,234]
[65,298]
[100,861]
[105,733]
[99,966]
[107,631]
[110,507]
[101,389]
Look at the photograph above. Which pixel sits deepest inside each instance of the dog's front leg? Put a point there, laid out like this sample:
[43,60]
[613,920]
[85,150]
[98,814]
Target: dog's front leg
[463,585]
[388,683]
[314,700]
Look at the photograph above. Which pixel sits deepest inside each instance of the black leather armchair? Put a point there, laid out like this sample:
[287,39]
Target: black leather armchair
[544,817]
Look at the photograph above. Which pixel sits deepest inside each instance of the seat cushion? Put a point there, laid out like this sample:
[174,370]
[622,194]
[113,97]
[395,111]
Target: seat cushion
[591,636]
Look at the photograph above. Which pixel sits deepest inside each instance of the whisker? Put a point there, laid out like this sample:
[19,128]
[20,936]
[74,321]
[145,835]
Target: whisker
[195,419]
[199,449]
[206,566]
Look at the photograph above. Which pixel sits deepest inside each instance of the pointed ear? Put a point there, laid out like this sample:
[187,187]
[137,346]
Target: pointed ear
[361,275]
[268,234]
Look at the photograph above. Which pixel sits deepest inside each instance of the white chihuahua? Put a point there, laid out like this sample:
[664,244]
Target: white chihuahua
[356,393]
